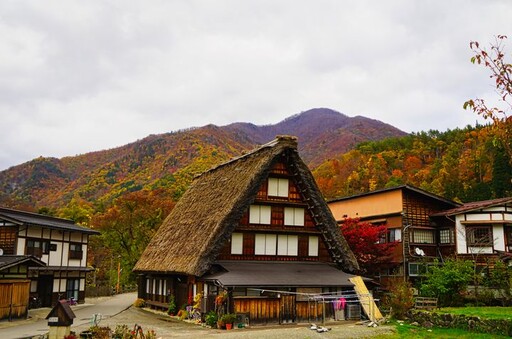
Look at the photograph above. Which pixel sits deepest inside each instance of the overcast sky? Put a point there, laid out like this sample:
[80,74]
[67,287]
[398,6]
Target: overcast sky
[81,76]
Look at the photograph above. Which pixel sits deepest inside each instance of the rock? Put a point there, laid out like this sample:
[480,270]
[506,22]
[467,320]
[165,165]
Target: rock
[428,324]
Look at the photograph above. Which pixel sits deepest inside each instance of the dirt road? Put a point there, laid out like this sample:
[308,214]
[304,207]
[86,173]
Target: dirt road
[167,327]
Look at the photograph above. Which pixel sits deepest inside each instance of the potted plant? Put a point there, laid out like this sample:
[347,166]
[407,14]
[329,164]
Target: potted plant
[172,305]
[228,319]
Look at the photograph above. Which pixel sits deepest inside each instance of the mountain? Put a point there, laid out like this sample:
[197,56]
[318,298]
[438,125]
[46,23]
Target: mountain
[170,161]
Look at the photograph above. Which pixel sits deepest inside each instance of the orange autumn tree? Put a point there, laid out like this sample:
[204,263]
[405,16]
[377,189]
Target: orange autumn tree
[366,241]
[127,227]
[500,67]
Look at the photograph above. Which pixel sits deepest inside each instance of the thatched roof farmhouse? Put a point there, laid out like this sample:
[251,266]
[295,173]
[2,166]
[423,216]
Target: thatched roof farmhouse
[256,222]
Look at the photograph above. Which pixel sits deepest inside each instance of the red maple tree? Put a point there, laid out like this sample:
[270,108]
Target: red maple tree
[368,242]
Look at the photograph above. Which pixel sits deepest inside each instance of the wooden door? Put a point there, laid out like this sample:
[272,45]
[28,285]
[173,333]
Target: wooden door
[288,310]
[45,289]
[14,299]
[181,294]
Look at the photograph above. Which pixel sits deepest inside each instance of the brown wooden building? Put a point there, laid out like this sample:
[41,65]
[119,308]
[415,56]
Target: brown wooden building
[406,211]
[256,227]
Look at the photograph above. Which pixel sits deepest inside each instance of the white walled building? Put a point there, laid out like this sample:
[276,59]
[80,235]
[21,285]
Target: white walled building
[482,228]
[59,243]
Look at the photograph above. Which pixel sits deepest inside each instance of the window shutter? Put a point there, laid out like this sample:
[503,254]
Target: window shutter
[237,240]
[313,246]
[259,244]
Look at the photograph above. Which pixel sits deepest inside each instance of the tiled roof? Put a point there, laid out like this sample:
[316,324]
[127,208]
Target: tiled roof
[7,261]
[476,205]
[401,187]
[27,218]
[264,273]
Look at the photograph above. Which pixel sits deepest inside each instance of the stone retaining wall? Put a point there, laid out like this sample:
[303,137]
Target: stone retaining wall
[468,323]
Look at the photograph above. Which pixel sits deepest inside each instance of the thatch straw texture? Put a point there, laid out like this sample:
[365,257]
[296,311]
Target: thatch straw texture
[191,237]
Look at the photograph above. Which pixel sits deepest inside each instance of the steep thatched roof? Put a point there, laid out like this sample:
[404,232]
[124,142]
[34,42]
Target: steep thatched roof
[191,237]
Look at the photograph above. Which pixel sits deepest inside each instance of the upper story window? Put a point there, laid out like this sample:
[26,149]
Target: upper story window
[293,216]
[446,236]
[287,245]
[75,251]
[37,247]
[8,239]
[394,234]
[278,187]
[479,236]
[265,244]
[259,214]
[271,244]
[422,236]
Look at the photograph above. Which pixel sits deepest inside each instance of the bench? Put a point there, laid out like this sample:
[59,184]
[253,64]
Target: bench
[157,305]
[425,303]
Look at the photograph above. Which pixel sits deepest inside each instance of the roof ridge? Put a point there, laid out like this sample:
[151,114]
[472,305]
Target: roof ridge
[280,140]
[43,216]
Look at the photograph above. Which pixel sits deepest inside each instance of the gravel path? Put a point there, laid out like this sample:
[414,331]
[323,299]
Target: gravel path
[167,327]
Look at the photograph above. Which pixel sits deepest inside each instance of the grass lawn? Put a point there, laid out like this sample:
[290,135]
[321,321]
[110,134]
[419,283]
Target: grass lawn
[414,332]
[411,332]
[484,312]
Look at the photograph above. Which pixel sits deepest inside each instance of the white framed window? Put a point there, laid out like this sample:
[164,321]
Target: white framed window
[237,242]
[265,244]
[278,187]
[287,245]
[313,246]
[259,214]
[293,216]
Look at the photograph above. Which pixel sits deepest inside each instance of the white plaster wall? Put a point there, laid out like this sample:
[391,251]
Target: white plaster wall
[460,233]
[76,237]
[34,232]
[55,256]
[498,237]
[56,285]
[20,249]
[56,235]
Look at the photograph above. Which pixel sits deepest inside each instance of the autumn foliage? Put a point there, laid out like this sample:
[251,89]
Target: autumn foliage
[365,240]
[494,59]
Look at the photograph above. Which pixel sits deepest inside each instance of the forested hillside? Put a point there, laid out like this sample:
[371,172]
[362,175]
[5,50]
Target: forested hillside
[170,161]
[127,192]
[462,164]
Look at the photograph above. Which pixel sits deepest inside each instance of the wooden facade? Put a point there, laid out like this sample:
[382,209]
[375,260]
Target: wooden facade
[250,221]
[406,211]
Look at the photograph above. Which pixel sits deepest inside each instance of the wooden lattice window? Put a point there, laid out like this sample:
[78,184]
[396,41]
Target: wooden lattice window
[8,239]
[446,236]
